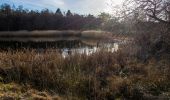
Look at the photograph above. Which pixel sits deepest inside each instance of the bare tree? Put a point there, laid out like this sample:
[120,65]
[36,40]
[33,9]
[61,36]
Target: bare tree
[150,19]
[158,10]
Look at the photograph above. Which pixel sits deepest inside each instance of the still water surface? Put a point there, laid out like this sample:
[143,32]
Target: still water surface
[110,47]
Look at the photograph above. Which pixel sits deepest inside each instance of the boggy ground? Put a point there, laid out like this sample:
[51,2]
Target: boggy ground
[103,75]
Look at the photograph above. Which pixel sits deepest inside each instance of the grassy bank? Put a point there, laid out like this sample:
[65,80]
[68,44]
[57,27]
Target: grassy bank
[53,35]
[100,76]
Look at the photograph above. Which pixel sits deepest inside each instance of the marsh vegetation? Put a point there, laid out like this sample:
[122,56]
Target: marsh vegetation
[123,57]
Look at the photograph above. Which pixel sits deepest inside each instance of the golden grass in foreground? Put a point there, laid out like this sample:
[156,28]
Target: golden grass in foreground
[100,76]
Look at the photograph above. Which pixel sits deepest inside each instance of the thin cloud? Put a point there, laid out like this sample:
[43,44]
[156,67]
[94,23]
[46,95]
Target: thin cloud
[78,6]
[38,4]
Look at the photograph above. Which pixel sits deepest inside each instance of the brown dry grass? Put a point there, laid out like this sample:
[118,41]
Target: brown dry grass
[53,35]
[100,76]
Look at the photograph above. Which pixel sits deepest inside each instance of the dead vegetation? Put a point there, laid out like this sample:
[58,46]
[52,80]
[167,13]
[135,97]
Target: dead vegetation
[53,35]
[102,75]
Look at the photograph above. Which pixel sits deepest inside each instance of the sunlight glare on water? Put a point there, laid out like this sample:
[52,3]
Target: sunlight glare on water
[88,51]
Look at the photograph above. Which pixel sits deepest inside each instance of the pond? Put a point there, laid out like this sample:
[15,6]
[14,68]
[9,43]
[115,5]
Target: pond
[110,47]
[66,42]
[65,47]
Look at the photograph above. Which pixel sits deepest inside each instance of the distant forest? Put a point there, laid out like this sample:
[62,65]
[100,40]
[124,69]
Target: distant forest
[19,18]
[14,19]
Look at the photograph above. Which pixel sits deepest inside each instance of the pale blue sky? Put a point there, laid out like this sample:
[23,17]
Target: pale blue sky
[78,6]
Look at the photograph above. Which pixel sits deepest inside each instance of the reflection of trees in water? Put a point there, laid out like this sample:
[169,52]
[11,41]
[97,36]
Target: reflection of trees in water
[42,45]
[64,47]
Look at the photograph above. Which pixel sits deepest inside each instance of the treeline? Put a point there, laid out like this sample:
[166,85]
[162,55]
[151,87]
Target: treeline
[14,19]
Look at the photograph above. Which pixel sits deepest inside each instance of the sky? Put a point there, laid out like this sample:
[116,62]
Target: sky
[94,7]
